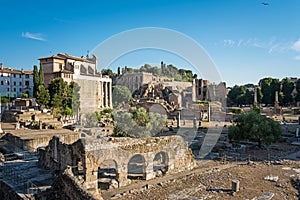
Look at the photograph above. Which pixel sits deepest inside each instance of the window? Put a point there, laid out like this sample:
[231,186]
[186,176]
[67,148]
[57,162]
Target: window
[7,89]
[27,83]
[20,76]
[20,90]
[7,82]
[26,75]
[20,83]
[15,83]
[1,82]
[1,75]
[15,89]
[14,75]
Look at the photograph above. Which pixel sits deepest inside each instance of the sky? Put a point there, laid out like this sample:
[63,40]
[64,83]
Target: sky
[245,39]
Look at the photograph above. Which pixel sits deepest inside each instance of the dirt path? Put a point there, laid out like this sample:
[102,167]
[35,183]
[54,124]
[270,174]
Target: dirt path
[202,167]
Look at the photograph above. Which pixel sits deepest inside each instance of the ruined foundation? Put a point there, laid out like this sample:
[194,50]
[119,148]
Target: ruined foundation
[109,162]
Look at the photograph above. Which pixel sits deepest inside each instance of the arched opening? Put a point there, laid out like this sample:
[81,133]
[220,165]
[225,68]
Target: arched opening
[160,163]
[107,175]
[77,166]
[136,167]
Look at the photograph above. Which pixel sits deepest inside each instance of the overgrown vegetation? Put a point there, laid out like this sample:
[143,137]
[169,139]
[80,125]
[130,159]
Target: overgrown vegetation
[255,127]
[138,123]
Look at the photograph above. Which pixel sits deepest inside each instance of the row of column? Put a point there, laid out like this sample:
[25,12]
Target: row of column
[105,94]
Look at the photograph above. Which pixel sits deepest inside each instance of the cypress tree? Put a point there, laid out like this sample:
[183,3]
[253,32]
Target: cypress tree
[41,75]
[36,80]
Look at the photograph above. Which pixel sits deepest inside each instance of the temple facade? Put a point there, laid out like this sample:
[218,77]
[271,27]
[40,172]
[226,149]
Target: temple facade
[95,89]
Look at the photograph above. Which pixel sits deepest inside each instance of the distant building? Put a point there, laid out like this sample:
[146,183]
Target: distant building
[204,90]
[95,89]
[14,83]
[134,80]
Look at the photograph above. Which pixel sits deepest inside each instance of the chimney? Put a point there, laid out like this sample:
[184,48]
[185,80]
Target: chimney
[1,65]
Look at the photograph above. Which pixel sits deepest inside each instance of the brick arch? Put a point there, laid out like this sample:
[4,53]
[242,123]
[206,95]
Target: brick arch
[136,167]
[107,173]
[160,162]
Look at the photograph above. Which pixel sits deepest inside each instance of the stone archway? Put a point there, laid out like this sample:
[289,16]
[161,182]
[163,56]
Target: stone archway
[77,166]
[107,174]
[136,167]
[160,163]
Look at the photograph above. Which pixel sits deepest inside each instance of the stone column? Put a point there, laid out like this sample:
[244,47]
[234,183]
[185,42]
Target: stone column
[194,91]
[103,94]
[110,95]
[106,94]
[91,182]
[255,96]
[149,173]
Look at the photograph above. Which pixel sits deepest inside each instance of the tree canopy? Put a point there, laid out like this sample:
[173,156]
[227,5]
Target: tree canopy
[169,71]
[121,94]
[138,123]
[64,98]
[255,127]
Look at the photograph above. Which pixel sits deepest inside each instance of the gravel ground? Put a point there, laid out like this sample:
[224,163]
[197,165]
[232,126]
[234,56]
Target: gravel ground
[217,183]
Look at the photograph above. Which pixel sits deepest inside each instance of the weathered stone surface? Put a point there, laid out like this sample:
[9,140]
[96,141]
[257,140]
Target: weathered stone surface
[155,156]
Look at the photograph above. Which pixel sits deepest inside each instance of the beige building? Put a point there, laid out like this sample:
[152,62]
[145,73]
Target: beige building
[134,80]
[95,89]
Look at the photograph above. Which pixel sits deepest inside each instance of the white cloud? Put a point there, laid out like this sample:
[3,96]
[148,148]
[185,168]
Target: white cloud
[272,45]
[296,45]
[34,36]
[229,43]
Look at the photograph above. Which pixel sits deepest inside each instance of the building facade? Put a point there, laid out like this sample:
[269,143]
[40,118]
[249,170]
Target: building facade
[14,83]
[134,80]
[95,89]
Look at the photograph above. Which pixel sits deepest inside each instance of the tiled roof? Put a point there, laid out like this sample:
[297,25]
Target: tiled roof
[16,71]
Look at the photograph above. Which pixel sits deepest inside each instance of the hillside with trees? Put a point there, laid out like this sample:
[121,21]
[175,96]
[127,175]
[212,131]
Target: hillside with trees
[169,71]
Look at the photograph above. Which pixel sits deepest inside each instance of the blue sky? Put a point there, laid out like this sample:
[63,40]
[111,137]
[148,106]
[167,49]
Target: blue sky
[246,40]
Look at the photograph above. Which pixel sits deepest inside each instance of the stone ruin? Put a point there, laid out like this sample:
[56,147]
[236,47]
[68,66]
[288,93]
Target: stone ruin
[109,162]
[32,118]
[157,98]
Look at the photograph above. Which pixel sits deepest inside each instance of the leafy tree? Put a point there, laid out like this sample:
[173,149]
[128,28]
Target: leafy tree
[236,96]
[138,123]
[287,89]
[259,94]
[74,96]
[256,108]
[36,80]
[297,98]
[42,96]
[255,127]
[58,90]
[90,120]
[121,95]
[108,72]
[268,87]
[64,98]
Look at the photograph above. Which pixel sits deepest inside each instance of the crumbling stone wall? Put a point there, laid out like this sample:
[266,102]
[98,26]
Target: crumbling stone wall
[86,156]
[65,186]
